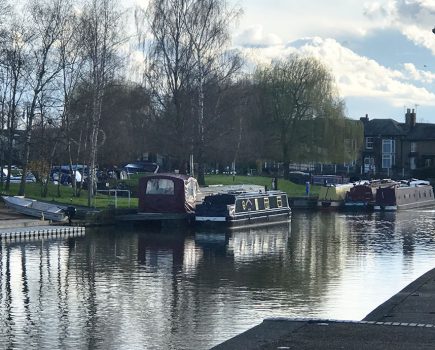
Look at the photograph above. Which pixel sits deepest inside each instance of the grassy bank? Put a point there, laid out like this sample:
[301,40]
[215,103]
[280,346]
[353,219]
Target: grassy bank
[64,194]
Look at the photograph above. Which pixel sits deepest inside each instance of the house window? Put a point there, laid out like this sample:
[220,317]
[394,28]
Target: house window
[369,142]
[428,163]
[369,165]
[387,161]
[388,146]
[413,146]
[388,153]
[412,163]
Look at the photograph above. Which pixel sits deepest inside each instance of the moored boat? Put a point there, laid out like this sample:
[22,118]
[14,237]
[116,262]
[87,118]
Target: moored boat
[362,196]
[405,195]
[240,209]
[333,196]
[165,198]
[35,208]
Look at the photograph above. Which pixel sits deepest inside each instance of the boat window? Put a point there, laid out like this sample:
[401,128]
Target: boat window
[160,186]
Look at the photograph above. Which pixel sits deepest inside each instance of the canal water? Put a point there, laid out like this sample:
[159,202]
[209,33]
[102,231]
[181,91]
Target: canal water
[172,288]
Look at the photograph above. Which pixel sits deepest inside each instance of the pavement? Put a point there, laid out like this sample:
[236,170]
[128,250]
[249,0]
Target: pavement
[405,321]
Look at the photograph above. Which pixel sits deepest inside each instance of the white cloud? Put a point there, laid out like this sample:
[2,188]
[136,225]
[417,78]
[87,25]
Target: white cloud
[413,18]
[412,73]
[422,37]
[375,10]
[357,76]
[254,36]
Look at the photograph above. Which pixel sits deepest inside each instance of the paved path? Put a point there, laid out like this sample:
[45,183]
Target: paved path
[406,321]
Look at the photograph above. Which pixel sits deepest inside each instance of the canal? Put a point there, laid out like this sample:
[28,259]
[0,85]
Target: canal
[142,288]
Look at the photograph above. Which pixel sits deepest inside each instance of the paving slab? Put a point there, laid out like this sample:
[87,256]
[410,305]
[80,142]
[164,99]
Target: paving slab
[405,321]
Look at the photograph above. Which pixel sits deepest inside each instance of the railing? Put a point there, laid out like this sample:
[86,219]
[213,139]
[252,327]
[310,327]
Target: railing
[116,191]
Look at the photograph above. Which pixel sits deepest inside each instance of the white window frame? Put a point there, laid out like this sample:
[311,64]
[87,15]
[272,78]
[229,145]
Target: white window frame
[413,146]
[369,164]
[388,153]
[387,160]
[369,142]
[412,163]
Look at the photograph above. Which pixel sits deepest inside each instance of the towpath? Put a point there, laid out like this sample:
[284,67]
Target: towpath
[406,321]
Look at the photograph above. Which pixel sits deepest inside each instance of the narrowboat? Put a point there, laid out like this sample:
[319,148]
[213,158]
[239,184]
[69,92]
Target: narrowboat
[405,195]
[165,198]
[241,209]
[333,196]
[362,196]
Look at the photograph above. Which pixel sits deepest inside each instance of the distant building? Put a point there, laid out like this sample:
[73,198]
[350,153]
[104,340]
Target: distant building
[393,149]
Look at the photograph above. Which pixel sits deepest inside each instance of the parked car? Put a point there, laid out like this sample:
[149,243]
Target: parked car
[16,174]
[299,177]
[64,175]
[141,167]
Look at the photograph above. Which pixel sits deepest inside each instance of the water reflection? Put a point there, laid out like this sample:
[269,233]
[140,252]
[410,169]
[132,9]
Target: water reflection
[180,289]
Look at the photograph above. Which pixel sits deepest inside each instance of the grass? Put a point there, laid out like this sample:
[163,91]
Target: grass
[34,190]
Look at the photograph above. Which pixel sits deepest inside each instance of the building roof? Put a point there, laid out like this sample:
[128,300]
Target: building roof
[422,132]
[386,127]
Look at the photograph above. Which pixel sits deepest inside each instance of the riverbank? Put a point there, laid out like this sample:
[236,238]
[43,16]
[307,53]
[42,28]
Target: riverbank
[405,321]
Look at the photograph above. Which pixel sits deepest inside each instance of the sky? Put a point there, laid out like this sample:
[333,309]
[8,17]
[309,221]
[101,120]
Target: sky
[381,53]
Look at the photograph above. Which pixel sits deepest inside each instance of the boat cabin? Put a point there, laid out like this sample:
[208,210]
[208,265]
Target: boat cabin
[405,195]
[243,208]
[333,196]
[167,193]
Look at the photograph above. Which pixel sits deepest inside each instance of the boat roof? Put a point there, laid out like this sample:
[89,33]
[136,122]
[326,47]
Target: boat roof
[169,176]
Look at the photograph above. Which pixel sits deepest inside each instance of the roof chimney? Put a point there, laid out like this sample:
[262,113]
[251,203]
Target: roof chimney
[410,118]
[364,119]
[413,118]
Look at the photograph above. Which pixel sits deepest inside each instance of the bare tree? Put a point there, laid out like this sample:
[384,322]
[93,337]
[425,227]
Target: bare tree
[168,73]
[46,26]
[71,63]
[14,58]
[208,23]
[100,28]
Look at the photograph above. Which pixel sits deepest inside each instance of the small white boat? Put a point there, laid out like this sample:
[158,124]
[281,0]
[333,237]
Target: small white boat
[34,208]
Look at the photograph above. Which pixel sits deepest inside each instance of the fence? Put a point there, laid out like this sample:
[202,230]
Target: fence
[115,197]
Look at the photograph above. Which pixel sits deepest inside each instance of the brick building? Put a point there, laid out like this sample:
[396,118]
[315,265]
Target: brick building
[393,149]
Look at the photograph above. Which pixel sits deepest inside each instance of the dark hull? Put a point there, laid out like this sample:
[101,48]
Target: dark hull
[360,197]
[242,210]
[359,206]
[245,220]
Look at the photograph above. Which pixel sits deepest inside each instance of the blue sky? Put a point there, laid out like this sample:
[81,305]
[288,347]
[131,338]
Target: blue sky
[382,53]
